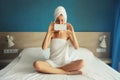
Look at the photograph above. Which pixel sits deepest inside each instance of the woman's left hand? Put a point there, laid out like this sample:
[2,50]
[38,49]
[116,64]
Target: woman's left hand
[70,27]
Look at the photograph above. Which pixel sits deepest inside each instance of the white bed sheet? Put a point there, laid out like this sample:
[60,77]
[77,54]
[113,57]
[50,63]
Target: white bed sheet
[21,68]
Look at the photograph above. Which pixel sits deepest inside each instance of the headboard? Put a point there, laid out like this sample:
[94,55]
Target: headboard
[23,40]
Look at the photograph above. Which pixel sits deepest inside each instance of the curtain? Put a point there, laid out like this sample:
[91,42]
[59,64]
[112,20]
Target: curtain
[116,38]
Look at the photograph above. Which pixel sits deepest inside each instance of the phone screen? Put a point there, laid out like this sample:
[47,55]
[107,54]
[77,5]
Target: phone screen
[60,27]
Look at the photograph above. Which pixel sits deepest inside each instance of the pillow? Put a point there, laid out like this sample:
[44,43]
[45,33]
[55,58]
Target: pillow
[31,54]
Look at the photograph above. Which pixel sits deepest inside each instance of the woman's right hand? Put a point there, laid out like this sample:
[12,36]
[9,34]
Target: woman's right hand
[51,26]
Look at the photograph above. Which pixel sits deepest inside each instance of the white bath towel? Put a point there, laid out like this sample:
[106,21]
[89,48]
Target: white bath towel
[60,10]
[62,53]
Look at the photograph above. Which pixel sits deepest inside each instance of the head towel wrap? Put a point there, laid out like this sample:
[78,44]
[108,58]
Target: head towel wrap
[60,10]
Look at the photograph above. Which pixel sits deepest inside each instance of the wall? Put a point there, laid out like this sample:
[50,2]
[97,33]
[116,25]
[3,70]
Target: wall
[35,15]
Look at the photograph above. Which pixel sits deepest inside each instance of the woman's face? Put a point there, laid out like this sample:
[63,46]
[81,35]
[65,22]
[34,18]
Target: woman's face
[60,19]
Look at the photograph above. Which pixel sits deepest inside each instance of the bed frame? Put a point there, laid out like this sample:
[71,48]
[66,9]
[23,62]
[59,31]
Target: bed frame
[23,40]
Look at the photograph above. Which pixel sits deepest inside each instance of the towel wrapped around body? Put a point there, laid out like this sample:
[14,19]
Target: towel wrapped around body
[62,53]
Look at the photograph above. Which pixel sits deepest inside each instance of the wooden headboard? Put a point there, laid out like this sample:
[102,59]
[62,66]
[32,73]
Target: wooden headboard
[23,40]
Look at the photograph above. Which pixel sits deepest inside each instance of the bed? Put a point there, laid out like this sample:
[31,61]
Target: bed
[21,68]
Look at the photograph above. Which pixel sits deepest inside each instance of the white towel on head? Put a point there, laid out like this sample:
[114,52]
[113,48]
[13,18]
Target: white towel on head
[60,10]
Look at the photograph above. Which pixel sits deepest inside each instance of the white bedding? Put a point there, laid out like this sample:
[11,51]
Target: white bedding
[21,68]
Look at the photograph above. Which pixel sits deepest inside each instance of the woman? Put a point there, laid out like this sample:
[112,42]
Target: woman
[60,61]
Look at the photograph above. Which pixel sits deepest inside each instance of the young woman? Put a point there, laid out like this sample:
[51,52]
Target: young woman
[62,57]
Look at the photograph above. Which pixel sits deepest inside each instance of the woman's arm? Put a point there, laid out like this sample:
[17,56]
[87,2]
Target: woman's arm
[72,36]
[48,37]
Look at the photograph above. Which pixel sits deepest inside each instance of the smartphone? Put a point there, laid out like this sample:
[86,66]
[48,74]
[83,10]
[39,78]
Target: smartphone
[60,27]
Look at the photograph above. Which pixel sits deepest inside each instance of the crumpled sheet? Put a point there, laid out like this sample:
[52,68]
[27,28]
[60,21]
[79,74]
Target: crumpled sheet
[21,68]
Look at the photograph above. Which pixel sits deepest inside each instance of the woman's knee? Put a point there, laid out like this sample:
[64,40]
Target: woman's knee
[41,64]
[80,63]
[36,64]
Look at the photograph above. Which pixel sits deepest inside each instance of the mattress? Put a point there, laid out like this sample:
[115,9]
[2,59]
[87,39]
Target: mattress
[21,68]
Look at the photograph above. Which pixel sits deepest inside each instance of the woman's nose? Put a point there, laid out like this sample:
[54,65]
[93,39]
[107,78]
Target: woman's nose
[60,22]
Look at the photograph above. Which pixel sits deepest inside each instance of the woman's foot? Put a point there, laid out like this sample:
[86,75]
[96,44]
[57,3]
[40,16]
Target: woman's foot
[74,73]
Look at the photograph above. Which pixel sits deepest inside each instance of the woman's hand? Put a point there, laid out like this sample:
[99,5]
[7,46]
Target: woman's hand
[71,35]
[69,27]
[68,24]
[51,26]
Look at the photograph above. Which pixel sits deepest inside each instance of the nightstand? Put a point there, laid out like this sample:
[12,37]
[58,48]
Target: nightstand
[5,59]
[106,60]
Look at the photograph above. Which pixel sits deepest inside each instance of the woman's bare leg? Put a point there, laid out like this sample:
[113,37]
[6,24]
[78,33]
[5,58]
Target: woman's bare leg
[45,67]
[73,66]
